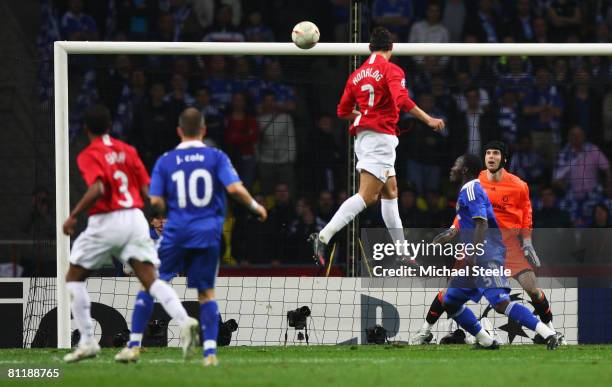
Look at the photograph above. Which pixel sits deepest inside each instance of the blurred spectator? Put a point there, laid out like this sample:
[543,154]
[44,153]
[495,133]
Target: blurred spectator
[540,30]
[273,80]
[549,215]
[474,128]
[280,218]
[326,206]
[600,71]
[179,93]
[464,83]
[111,84]
[425,150]
[396,15]
[241,134]
[251,240]
[579,164]
[525,163]
[133,94]
[430,68]
[561,76]
[299,231]
[256,31]
[212,115]
[521,26]
[166,31]
[584,107]
[542,111]
[135,17]
[217,81]
[515,75]
[223,30]
[438,212]
[564,16]
[38,257]
[411,215]
[186,25]
[601,216]
[155,122]
[430,30]
[77,25]
[484,23]
[204,11]
[323,157]
[277,145]
[508,116]
[454,19]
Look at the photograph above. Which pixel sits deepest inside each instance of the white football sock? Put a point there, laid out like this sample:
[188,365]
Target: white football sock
[81,310]
[347,212]
[391,216]
[544,330]
[169,300]
[426,327]
[484,338]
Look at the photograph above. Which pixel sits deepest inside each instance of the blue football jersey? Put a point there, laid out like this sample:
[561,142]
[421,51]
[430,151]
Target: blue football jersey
[192,179]
[474,203]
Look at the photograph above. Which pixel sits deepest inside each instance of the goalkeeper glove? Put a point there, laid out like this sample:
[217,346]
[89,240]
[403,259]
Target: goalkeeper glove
[530,252]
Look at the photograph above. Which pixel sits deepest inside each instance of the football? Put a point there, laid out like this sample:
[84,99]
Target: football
[305,35]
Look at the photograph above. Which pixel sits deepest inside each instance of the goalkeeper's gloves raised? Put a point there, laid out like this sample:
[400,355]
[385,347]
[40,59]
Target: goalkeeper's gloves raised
[530,253]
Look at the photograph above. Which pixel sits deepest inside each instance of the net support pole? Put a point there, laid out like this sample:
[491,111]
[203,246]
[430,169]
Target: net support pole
[62,192]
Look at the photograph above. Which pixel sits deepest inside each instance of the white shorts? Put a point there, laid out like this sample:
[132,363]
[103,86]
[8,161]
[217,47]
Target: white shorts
[376,153]
[121,234]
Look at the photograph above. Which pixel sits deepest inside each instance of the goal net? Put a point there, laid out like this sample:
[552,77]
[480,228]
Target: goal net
[297,160]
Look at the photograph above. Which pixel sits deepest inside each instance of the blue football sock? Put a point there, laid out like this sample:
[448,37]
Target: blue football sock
[467,320]
[522,315]
[209,321]
[143,308]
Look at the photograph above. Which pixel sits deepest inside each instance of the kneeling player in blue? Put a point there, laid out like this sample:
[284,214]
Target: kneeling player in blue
[190,182]
[479,227]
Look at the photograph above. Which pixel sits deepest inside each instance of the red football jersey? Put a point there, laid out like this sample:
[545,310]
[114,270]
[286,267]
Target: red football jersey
[119,168]
[378,87]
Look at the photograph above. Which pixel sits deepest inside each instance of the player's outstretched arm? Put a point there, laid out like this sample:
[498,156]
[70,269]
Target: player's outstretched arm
[434,123]
[94,192]
[242,195]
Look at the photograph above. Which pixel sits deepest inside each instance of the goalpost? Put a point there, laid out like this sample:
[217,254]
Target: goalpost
[63,49]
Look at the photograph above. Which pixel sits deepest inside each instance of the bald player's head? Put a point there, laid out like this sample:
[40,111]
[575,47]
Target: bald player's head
[191,122]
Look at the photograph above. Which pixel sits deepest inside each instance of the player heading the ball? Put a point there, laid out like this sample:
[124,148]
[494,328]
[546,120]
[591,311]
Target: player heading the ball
[118,184]
[374,95]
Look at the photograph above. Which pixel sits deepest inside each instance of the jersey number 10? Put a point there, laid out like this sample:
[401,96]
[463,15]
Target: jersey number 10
[191,188]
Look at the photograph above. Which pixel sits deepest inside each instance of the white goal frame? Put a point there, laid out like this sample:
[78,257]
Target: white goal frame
[62,49]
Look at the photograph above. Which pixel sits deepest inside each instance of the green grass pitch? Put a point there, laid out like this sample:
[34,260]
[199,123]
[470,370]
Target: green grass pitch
[377,366]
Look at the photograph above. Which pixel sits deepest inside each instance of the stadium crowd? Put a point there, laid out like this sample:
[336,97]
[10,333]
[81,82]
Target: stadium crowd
[276,119]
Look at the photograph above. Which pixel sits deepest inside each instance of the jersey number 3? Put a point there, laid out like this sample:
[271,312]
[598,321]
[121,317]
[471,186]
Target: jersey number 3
[191,188]
[128,200]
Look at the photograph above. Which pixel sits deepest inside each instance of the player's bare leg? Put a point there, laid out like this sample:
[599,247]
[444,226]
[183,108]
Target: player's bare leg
[81,313]
[209,319]
[190,335]
[369,191]
[529,283]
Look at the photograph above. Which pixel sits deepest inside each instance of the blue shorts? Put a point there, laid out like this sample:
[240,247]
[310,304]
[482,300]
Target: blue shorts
[459,296]
[200,265]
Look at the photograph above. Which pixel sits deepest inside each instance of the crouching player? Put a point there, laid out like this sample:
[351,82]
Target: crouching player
[479,226]
[509,196]
[191,181]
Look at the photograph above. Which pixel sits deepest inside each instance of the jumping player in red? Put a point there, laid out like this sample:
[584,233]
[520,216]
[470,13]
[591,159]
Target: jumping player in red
[509,196]
[378,88]
[118,182]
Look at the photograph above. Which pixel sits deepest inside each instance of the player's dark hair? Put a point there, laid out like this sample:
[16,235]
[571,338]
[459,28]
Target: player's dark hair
[191,120]
[501,147]
[381,40]
[98,120]
[473,164]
